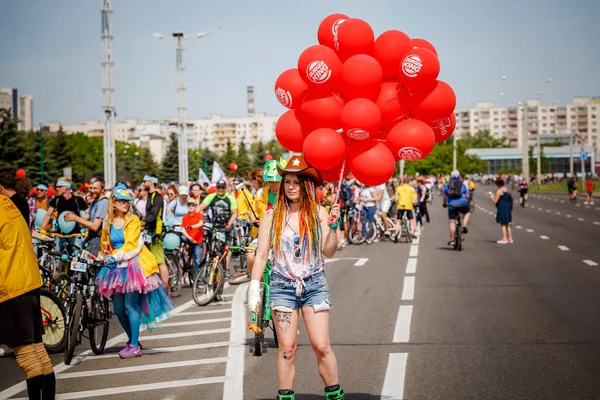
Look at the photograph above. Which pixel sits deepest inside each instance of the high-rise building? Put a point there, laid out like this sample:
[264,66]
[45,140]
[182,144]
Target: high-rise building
[21,107]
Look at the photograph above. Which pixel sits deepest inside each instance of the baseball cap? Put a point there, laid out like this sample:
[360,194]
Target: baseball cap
[221,183]
[183,190]
[121,193]
[191,200]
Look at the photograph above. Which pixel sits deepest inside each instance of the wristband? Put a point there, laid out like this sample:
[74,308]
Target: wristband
[335,225]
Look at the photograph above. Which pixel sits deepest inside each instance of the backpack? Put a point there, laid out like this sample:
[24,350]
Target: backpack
[455,188]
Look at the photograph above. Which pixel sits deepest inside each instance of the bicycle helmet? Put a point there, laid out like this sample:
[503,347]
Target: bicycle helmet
[270,173]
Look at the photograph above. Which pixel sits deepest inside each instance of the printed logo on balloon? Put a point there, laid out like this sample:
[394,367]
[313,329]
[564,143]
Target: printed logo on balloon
[284,97]
[412,65]
[334,30]
[410,154]
[318,72]
[358,134]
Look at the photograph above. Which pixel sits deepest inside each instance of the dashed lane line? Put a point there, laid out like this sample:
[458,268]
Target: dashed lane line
[529,230]
[411,266]
[185,334]
[408,291]
[544,237]
[414,251]
[563,248]
[581,219]
[519,227]
[393,383]
[402,329]
[591,263]
[568,216]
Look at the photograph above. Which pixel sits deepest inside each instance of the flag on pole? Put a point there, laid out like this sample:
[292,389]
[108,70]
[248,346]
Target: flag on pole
[217,173]
[202,178]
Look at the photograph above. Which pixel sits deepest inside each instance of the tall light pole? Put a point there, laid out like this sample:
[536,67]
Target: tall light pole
[454,145]
[110,169]
[539,147]
[181,108]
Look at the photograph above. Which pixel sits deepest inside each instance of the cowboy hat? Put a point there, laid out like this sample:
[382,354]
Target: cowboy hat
[298,165]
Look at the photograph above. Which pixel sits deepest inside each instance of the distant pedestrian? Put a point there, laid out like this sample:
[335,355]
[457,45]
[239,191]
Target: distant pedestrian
[589,185]
[504,203]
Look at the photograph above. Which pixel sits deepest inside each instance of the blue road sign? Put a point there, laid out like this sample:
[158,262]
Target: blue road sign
[583,156]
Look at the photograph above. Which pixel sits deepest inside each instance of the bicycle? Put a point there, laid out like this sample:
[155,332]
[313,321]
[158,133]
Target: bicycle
[173,247]
[47,263]
[522,198]
[263,318]
[210,279]
[380,226]
[86,309]
[53,319]
[70,250]
[405,231]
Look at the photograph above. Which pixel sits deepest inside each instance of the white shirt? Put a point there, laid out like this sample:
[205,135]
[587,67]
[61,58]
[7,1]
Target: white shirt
[366,196]
[140,205]
[386,195]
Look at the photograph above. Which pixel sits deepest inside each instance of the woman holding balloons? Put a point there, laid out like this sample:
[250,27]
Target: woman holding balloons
[296,230]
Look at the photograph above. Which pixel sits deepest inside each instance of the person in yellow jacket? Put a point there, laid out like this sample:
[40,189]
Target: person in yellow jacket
[131,276]
[21,326]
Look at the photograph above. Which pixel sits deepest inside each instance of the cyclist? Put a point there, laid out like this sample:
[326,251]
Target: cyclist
[66,201]
[193,222]
[523,189]
[223,209]
[97,214]
[471,187]
[422,194]
[367,199]
[130,277]
[384,203]
[572,187]
[297,232]
[153,225]
[406,197]
[456,198]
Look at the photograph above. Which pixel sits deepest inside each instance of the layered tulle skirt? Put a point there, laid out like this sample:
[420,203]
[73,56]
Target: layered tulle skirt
[154,304]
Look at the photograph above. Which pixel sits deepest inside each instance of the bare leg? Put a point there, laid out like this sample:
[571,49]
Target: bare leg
[164,274]
[286,324]
[385,221]
[509,232]
[452,228]
[466,218]
[317,325]
[504,231]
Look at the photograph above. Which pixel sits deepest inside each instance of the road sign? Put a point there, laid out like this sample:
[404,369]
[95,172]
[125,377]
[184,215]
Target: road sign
[583,156]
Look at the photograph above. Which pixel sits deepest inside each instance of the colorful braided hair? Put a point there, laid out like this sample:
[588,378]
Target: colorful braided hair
[309,222]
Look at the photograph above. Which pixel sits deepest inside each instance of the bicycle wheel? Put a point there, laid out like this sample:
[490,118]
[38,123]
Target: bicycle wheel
[458,240]
[53,318]
[72,330]
[174,274]
[99,325]
[406,231]
[208,283]
[259,337]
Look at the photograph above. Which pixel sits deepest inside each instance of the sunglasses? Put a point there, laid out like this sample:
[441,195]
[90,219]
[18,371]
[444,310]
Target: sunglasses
[170,194]
[41,190]
[221,187]
[297,249]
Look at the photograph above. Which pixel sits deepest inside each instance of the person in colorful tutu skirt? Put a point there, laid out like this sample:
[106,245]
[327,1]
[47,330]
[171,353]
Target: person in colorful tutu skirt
[131,275]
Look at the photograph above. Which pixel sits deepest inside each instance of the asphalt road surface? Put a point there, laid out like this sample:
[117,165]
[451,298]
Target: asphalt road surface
[420,321]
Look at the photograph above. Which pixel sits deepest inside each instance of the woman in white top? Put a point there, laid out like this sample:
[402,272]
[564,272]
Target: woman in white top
[178,207]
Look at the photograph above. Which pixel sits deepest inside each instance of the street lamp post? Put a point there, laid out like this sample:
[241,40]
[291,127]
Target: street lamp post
[181,108]
[454,145]
[110,169]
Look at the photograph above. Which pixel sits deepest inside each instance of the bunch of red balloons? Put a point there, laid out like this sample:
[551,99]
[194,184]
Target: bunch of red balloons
[364,102]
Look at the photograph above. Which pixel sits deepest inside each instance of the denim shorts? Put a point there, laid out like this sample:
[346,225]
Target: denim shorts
[315,292]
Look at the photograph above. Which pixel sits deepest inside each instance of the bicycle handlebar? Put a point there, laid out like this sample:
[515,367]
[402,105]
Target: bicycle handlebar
[60,235]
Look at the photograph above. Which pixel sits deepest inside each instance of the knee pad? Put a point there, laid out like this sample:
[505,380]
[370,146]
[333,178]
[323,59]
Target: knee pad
[42,355]
[28,361]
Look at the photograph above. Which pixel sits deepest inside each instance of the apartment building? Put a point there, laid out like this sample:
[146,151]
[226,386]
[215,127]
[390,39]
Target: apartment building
[20,106]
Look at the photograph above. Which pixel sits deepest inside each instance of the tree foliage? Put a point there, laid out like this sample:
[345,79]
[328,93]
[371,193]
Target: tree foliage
[169,170]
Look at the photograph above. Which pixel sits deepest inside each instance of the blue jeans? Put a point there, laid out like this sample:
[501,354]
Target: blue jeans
[127,310]
[369,213]
[196,250]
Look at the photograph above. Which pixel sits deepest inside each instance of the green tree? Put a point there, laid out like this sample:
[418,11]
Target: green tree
[11,142]
[258,152]
[243,160]
[481,140]
[60,154]
[169,171]
[227,157]
[440,160]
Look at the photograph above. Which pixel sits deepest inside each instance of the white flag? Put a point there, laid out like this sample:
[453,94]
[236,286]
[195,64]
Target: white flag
[202,178]
[217,173]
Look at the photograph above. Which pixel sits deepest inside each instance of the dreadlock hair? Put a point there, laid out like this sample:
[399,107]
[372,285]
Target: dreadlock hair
[309,223]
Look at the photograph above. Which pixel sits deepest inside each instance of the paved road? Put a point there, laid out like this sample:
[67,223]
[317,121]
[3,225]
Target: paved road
[417,321]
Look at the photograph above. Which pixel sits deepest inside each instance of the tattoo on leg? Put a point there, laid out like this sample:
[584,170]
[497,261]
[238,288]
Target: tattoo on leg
[284,320]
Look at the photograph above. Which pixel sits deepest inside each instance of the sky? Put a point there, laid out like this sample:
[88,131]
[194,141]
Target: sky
[52,50]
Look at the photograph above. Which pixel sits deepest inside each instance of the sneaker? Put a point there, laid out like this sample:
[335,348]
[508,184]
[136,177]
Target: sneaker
[451,243]
[585,203]
[502,241]
[510,241]
[219,298]
[130,352]
[139,344]
[465,230]
[334,393]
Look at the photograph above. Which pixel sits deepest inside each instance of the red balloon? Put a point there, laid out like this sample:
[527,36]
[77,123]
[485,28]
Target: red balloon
[233,167]
[212,189]
[443,127]
[411,140]
[269,157]
[290,88]
[361,77]
[438,103]
[288,131]
[416,43]
[371,162]
[324,148]
[388,49]
[21,173]
[418,68]
[333,174]
[393,102]
[328,29]
[361,118]
[321,111]
[319,67]
[355,36]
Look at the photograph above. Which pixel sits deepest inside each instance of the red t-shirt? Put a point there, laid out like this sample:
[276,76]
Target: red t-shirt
[590,185]
[192,219]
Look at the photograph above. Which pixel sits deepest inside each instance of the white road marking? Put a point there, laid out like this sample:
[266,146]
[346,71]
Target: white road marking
[597,208]
[197,322]
[540,208]
[414,250]
[393,383]
[568,216]
[578,205]
[563,248]
[411,266]
[548,210]
[234,384]
[519,227]
[581,219]
[417,240]
[558,213]
[160,350]
[529,230]
[562,201]
[361,262]
[184,334]
[544,237]
[111,371]
[139,388]
[330,260]
[408,291]
[402,329]
[188,313]
[591,263]
[596,223]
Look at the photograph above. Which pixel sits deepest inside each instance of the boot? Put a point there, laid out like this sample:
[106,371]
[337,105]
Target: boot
[286,394]
[334,392]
